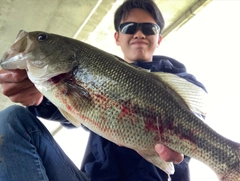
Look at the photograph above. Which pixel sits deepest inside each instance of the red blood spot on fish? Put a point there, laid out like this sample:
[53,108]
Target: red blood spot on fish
[58,78]
[127,109]
[104,104]
[151,124]
[69,108]
[159,125]
[69,76]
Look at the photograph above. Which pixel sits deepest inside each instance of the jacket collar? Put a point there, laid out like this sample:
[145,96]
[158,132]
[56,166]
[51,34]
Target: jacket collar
[162,64]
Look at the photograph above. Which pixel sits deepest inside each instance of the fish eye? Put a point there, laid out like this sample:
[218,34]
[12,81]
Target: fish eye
[42,37]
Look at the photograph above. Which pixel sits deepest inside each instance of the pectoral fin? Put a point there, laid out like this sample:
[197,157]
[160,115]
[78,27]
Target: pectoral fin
[77,99]
[78,95]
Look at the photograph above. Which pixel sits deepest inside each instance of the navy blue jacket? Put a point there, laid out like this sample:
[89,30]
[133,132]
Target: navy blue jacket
[106,161]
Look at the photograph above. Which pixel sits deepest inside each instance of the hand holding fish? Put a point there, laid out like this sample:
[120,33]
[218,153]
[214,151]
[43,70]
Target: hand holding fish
[168,155]
[16,85]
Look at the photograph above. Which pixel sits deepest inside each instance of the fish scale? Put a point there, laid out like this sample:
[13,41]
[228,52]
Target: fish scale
[125,104]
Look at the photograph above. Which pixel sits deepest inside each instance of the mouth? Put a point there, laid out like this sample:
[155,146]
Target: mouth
[14,58]
[138,43]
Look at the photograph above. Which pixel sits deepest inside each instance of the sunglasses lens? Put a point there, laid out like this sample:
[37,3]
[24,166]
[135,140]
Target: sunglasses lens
[128,28]
[149,29]
[146,28]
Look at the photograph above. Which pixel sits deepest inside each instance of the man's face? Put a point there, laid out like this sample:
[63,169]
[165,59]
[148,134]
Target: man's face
[138,46]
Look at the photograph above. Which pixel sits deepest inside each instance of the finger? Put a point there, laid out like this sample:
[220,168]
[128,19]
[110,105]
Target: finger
[33,102]
[178,158]
[168,155]
[10,89]
[11,76]
[34,99]
[28,97]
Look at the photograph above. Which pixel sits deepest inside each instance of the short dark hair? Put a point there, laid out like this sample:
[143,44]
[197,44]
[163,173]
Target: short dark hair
[146,5]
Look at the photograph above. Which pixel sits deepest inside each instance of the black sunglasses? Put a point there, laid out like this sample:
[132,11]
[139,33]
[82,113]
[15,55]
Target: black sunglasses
[146,28]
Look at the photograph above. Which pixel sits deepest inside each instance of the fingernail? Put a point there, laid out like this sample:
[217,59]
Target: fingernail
[159,148]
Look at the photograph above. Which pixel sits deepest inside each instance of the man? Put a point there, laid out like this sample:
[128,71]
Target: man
[29,152]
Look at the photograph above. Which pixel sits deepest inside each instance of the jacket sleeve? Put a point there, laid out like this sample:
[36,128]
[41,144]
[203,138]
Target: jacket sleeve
[47,110]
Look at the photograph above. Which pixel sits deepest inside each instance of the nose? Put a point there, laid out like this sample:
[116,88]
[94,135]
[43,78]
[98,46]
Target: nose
[139,34]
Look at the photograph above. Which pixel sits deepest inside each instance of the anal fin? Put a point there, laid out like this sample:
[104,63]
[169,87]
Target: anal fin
[154,158]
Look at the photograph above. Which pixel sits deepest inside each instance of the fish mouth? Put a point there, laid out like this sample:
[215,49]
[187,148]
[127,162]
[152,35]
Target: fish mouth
[15,57]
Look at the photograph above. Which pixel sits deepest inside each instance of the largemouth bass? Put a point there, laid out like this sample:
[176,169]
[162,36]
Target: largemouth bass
[122,103]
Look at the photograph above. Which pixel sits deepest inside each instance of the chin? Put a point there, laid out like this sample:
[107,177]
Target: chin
[142,59]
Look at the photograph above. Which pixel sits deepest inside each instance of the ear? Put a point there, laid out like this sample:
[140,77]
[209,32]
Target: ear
[159,39]
[116,36]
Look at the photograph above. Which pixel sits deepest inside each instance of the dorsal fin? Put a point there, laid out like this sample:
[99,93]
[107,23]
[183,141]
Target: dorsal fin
[195,97]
